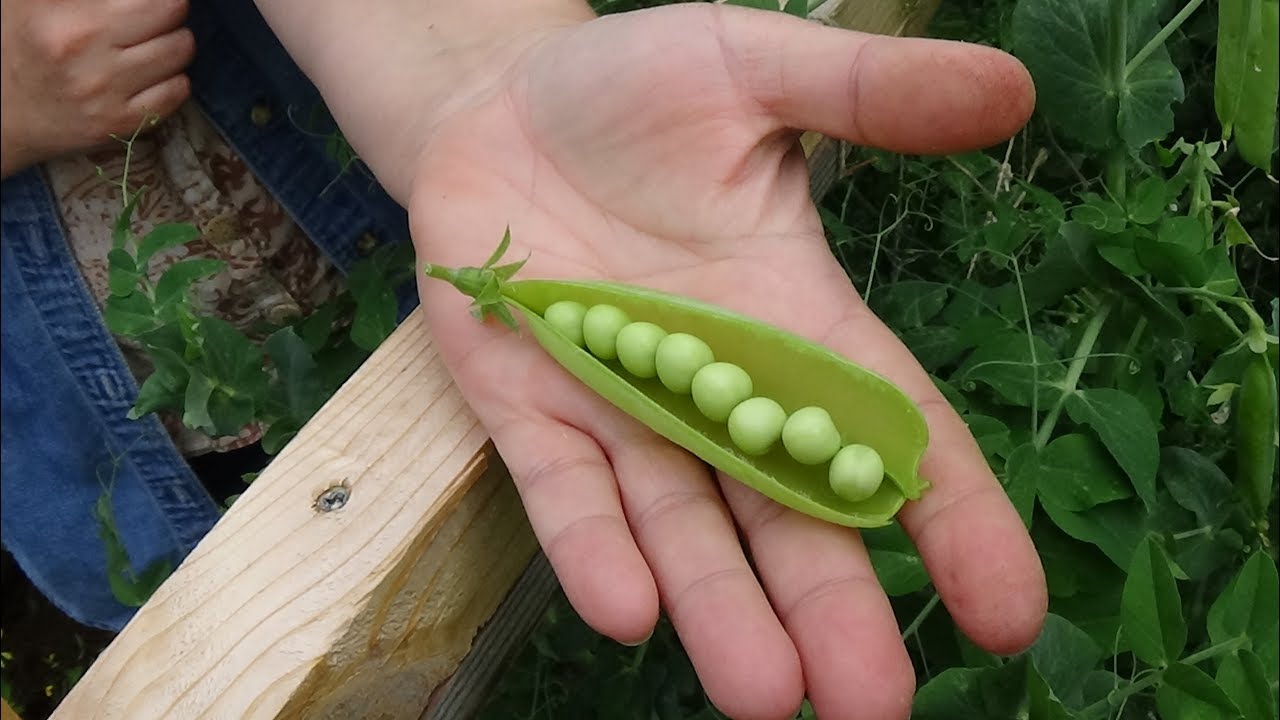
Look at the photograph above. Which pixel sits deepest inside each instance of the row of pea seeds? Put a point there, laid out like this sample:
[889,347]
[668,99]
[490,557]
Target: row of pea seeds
[722,392]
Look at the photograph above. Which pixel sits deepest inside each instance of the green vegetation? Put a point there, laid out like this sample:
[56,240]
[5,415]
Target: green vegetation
[1096,297]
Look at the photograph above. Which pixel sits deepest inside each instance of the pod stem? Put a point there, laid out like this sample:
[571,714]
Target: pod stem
[484,283]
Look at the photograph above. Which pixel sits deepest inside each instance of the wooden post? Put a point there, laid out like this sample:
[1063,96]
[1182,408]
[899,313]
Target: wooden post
[348,581]
[351,579]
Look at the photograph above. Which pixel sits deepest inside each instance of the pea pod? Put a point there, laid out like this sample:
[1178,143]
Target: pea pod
[1255,424]
[1245,76]
[794,372]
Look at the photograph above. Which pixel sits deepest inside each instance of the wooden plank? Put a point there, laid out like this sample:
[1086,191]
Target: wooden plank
[286,610]
[291,608]
[6,712]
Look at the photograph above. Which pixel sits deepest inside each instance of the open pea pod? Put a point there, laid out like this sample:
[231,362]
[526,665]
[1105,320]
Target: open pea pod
[866,407]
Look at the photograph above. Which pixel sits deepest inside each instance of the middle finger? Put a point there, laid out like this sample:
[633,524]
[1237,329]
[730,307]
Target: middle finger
[745,660]
[826,593]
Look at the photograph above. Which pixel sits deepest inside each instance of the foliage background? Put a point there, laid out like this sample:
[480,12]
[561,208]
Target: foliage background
[1097,297]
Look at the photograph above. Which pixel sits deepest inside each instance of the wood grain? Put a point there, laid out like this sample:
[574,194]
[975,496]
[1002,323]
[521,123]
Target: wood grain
[285,611]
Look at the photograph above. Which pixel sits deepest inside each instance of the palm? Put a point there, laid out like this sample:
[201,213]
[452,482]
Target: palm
[649,149]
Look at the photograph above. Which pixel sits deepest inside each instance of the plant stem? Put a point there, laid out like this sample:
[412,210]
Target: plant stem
[920,616]
[1210,652]
[1083,351]
[1117,162]
[1256,323]
[1161,36]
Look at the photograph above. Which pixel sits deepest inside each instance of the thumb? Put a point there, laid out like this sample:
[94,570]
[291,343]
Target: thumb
[910,95]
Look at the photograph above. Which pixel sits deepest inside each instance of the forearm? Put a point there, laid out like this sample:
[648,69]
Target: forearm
[388,70]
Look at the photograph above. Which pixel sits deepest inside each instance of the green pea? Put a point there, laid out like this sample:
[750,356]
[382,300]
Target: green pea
[856,472]
[718,388]
[638,348]
[680,357]
[600,328]
[810,436]
[756,424]
[566,316]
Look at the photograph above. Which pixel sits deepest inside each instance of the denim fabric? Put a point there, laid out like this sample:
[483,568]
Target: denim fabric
[66,388]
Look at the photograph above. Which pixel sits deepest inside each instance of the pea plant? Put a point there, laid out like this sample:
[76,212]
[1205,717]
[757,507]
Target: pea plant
[1098,299]
[217,378]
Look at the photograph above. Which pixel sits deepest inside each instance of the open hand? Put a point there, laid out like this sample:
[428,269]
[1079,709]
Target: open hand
[658,148]
[77,71]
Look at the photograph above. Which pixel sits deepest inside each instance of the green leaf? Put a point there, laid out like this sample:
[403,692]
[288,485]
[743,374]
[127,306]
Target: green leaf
[900,573]
[1097,613]
[230,413]
[1022,472]
[375,319]
[296,368]
[992,435]
[1197,484]
[196,404]
[1243,678]
[1247,608]
[1125,427]
[798,8]
[122,273]
[954,693]
[316,328]
[1076,473]
[1245,76]
[1006,364]
[278,435]
[1116,528]
[1121,250]
[908,304]
[934,346]
[162,390]
[1043,704]
[1151,608]
[1187,693]
[755,4]
[120,230]
[1068,47]
[178,277]
[1177,255]
[1070,262]
[1163,314]
[375,316]
[1063,653]
[162,237]
[230,358]
[1152,88]
[129,315]
[1148,201]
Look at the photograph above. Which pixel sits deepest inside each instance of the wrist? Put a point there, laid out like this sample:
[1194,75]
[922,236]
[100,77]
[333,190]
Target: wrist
[391,71]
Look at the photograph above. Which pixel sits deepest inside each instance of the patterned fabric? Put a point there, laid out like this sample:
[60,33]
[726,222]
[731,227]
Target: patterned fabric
[67,435]
[190,175]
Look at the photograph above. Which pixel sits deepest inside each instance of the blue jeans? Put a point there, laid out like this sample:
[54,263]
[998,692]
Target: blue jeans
[66,388]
